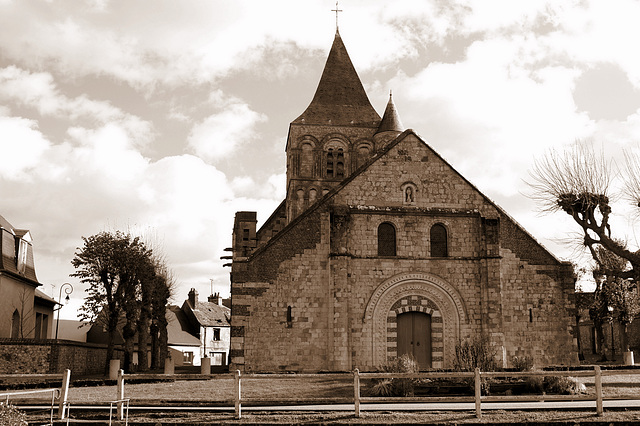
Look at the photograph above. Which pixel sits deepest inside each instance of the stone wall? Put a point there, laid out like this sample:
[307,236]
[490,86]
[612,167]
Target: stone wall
[319,297]
[26,356]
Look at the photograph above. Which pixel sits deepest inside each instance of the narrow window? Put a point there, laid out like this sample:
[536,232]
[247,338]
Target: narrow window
[386,240]
[289,316]
[439,241]
[340,164]
[245,235]
[15,324]
[330,162]
[216,334]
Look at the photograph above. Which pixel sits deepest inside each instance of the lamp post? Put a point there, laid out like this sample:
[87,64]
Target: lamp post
[68,289]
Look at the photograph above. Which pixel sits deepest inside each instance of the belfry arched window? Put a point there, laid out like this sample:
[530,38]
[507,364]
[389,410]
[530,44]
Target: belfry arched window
[438,237]
[336,165]
[386,239]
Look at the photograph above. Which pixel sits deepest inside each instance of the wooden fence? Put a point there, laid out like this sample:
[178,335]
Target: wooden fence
[60,394]
[358,399]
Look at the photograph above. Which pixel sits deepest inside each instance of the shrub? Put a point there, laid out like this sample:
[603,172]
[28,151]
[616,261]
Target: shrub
[563,385]
[534,384]
[522,363]
[396,387]
[476,353]
[11,416]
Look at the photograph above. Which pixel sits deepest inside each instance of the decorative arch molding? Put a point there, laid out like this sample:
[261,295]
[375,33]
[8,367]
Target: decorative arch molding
[334,139]
[444,297]
[306,139]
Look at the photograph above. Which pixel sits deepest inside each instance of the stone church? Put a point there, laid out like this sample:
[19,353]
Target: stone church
[382,248]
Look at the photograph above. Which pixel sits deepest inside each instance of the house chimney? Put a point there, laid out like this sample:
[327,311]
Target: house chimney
[193,297]
[216,298]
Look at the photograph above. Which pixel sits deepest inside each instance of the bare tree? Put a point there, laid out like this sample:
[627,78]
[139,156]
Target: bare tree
[580,183]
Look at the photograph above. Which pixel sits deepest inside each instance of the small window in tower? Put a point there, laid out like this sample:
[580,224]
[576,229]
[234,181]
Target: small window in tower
[245,235]
[330,160]
[340,163]
[386,239]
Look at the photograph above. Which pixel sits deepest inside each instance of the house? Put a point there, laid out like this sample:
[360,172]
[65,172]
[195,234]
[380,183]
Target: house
[209,321]
[195,329]
[25,312]
[381,248]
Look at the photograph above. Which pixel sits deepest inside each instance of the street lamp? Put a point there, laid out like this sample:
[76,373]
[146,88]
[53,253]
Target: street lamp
[67,290]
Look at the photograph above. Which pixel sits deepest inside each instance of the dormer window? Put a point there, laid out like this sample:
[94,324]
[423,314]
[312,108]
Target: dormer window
[22,248]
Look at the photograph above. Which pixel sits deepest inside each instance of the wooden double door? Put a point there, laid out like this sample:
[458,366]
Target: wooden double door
[414,337]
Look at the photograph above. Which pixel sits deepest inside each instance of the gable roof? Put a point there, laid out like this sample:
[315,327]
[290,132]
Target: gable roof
[210,314]
[178,328]
[340,98]
[325,199]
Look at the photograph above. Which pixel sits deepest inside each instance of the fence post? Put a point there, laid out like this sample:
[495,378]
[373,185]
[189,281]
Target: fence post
[478,390]
[598,380]
[64,395]
[356,391]
[120,396]
[238,394]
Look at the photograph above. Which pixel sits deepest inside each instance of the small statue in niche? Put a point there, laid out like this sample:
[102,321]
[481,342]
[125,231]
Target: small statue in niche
[408,194]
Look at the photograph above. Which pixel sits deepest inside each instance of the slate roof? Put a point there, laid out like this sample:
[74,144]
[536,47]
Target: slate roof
[210,314]
[45,297]
[178,328]
[340,98]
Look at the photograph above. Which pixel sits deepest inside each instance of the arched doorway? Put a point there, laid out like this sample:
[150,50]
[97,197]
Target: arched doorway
[414,292]
[414,337]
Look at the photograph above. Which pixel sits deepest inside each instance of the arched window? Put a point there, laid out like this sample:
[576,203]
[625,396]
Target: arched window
[340,163]
[439,241]
[386,239]
[330,163]
[15,324]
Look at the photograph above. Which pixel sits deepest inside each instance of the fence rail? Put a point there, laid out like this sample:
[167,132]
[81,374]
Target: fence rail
[357,376]
[62,393]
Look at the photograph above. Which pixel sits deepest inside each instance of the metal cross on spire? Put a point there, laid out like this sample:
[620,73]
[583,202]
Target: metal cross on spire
[336,10]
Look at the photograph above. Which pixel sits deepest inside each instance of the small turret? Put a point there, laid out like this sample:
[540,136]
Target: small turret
[390,126]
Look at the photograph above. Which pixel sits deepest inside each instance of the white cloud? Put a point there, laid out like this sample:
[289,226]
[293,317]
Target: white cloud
[219,135]
[22,146]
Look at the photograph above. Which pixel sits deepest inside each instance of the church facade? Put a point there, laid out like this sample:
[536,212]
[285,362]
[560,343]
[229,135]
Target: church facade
[381,248]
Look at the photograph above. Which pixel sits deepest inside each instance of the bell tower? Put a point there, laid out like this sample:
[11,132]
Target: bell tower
[332,137]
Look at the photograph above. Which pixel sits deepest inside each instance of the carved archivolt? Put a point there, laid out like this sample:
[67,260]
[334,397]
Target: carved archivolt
[445,297]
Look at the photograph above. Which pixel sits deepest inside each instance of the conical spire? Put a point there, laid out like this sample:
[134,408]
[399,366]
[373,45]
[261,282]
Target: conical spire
[340,98]
[390,120]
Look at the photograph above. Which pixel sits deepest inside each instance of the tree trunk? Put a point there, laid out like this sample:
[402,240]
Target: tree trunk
[143,342]
[624,336]
[155,347]
[110,349]
[580,354]
[600,337]
[129,333]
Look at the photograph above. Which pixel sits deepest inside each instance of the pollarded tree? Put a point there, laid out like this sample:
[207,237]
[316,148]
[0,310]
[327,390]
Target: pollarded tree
[111,264]
[580,182]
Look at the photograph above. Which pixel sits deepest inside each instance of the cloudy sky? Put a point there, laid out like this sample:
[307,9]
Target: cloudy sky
[166,117]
